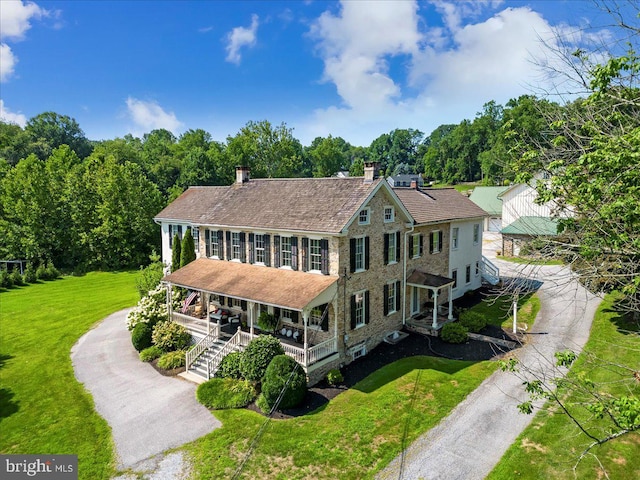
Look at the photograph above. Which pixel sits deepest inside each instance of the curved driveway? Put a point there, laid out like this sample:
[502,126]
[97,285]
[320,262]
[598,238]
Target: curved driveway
[148,413]
[472,439]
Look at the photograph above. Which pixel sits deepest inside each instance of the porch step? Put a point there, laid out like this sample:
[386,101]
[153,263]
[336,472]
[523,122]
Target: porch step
[199,366]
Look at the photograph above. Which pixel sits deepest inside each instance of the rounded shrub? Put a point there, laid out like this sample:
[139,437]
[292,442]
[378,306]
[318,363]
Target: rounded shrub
[52,271]
[170,336]
[16,278]
[42,273]
[29,275]
[283,373]
[334,377]
[220,393]
[141,336]
[149,354]
[230,366]
[171,360]
[5,279]
[257,356]
[473,321]
[454,333]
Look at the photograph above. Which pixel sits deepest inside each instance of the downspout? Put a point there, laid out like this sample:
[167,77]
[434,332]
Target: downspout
[404,274]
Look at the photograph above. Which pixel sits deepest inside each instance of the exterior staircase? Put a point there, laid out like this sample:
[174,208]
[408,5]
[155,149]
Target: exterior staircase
[204,358]
[200,365]
[490,273]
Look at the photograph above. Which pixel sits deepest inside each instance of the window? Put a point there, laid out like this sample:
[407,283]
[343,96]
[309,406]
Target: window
[235,246]
[363,217]
[286,315]
[258,243]
[360,254]
[477,268]
[391,248]
[467,275]
[415,245]
[173,230]
[359,306]
[315,255]
[213,241]
[454,238]
[237,303]
[315,318]
[476,233]
[391,297]
[454,276]
[195,233]
[435,241]
[389,214]
[358,351]
[285,251]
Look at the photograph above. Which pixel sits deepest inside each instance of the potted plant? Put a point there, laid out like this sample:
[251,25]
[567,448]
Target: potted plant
[267,322]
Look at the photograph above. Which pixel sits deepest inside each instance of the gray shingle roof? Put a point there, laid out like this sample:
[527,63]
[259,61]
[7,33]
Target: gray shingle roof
[438,204]
[299,204]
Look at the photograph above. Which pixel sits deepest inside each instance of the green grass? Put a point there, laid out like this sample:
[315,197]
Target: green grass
[43,409]
[461,187]
[531,261]
[354,436]
[497,310]
[551,445]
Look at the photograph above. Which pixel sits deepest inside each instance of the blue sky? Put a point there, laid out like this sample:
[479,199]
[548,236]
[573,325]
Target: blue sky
[354,69]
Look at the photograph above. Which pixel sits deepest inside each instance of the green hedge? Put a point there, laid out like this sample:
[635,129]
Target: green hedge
[221,393]
[141,336]
[172,360]
[283,373]
[230,366]
[151,353]
[454,333]
[474,321]
[257,356]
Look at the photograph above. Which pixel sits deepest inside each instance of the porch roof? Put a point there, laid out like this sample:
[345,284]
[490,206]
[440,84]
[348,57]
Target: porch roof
[281,288]
[424,279]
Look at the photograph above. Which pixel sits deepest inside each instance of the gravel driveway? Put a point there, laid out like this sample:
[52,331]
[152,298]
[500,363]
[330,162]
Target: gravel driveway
[472,439]
[148,413]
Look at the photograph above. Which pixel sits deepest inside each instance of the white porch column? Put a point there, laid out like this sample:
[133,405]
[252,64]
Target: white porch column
[206,299]
[435,308]
[450,316]
[251,306]
[335,319]
[305,321]
[169,301]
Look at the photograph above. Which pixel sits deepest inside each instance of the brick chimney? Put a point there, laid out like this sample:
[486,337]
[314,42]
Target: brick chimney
[370,171]
[414,184]
[242,175]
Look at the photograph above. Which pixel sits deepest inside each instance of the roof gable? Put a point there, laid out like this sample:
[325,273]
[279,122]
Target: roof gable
[295,204]
[488,198]
[437,205]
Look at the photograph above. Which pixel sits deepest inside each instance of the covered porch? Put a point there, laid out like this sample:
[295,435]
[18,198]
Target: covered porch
[426,291]
[226,298]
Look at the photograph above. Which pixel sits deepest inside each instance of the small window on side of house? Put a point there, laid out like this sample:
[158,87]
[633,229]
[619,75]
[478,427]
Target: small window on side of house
[389,214]
[363,216]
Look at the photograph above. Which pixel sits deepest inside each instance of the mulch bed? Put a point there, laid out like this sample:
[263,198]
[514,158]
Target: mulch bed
[414,344]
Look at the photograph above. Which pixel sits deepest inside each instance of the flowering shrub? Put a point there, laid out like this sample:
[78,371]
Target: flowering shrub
[151,308]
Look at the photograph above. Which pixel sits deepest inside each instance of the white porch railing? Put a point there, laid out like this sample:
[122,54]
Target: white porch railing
[202,345]
[235,343]
[315,353]
[489,271]
[187,321]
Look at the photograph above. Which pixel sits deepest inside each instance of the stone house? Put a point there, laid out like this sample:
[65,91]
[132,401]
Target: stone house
[341,263]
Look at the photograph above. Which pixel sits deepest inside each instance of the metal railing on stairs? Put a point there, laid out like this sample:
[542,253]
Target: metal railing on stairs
[202,345]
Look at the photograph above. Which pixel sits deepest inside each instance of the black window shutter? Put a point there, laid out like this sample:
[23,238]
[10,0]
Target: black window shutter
[366,253]
[410,245]
[397,246]
[398,296]
[430,243]
[294,317]
[353,312]
[252,249]
[324,256]
[324,324]
[440,240]
[421,243]
[276,313]
[276,251]
[229,246]
[180,231]
[386,249]
[222,300]
[386,299]
[366,307]
[220,249]
[352,254]
[243,304]
[267,250]
[305,254]
[170,236]
[243,247]
[294,253]
[207,247]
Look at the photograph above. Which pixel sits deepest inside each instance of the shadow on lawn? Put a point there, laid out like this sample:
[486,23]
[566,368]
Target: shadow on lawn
[624,320]
[7,405]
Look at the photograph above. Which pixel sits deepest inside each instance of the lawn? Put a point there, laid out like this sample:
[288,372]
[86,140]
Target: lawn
[354,436]
[550,446]
[531,261]
[43,409]
[498,310]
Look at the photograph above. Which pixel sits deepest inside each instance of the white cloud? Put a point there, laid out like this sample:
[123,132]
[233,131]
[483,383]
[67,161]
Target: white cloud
[7,62]
[15,17]
[241,37]
[452,67]
[8,116]
[150,116]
